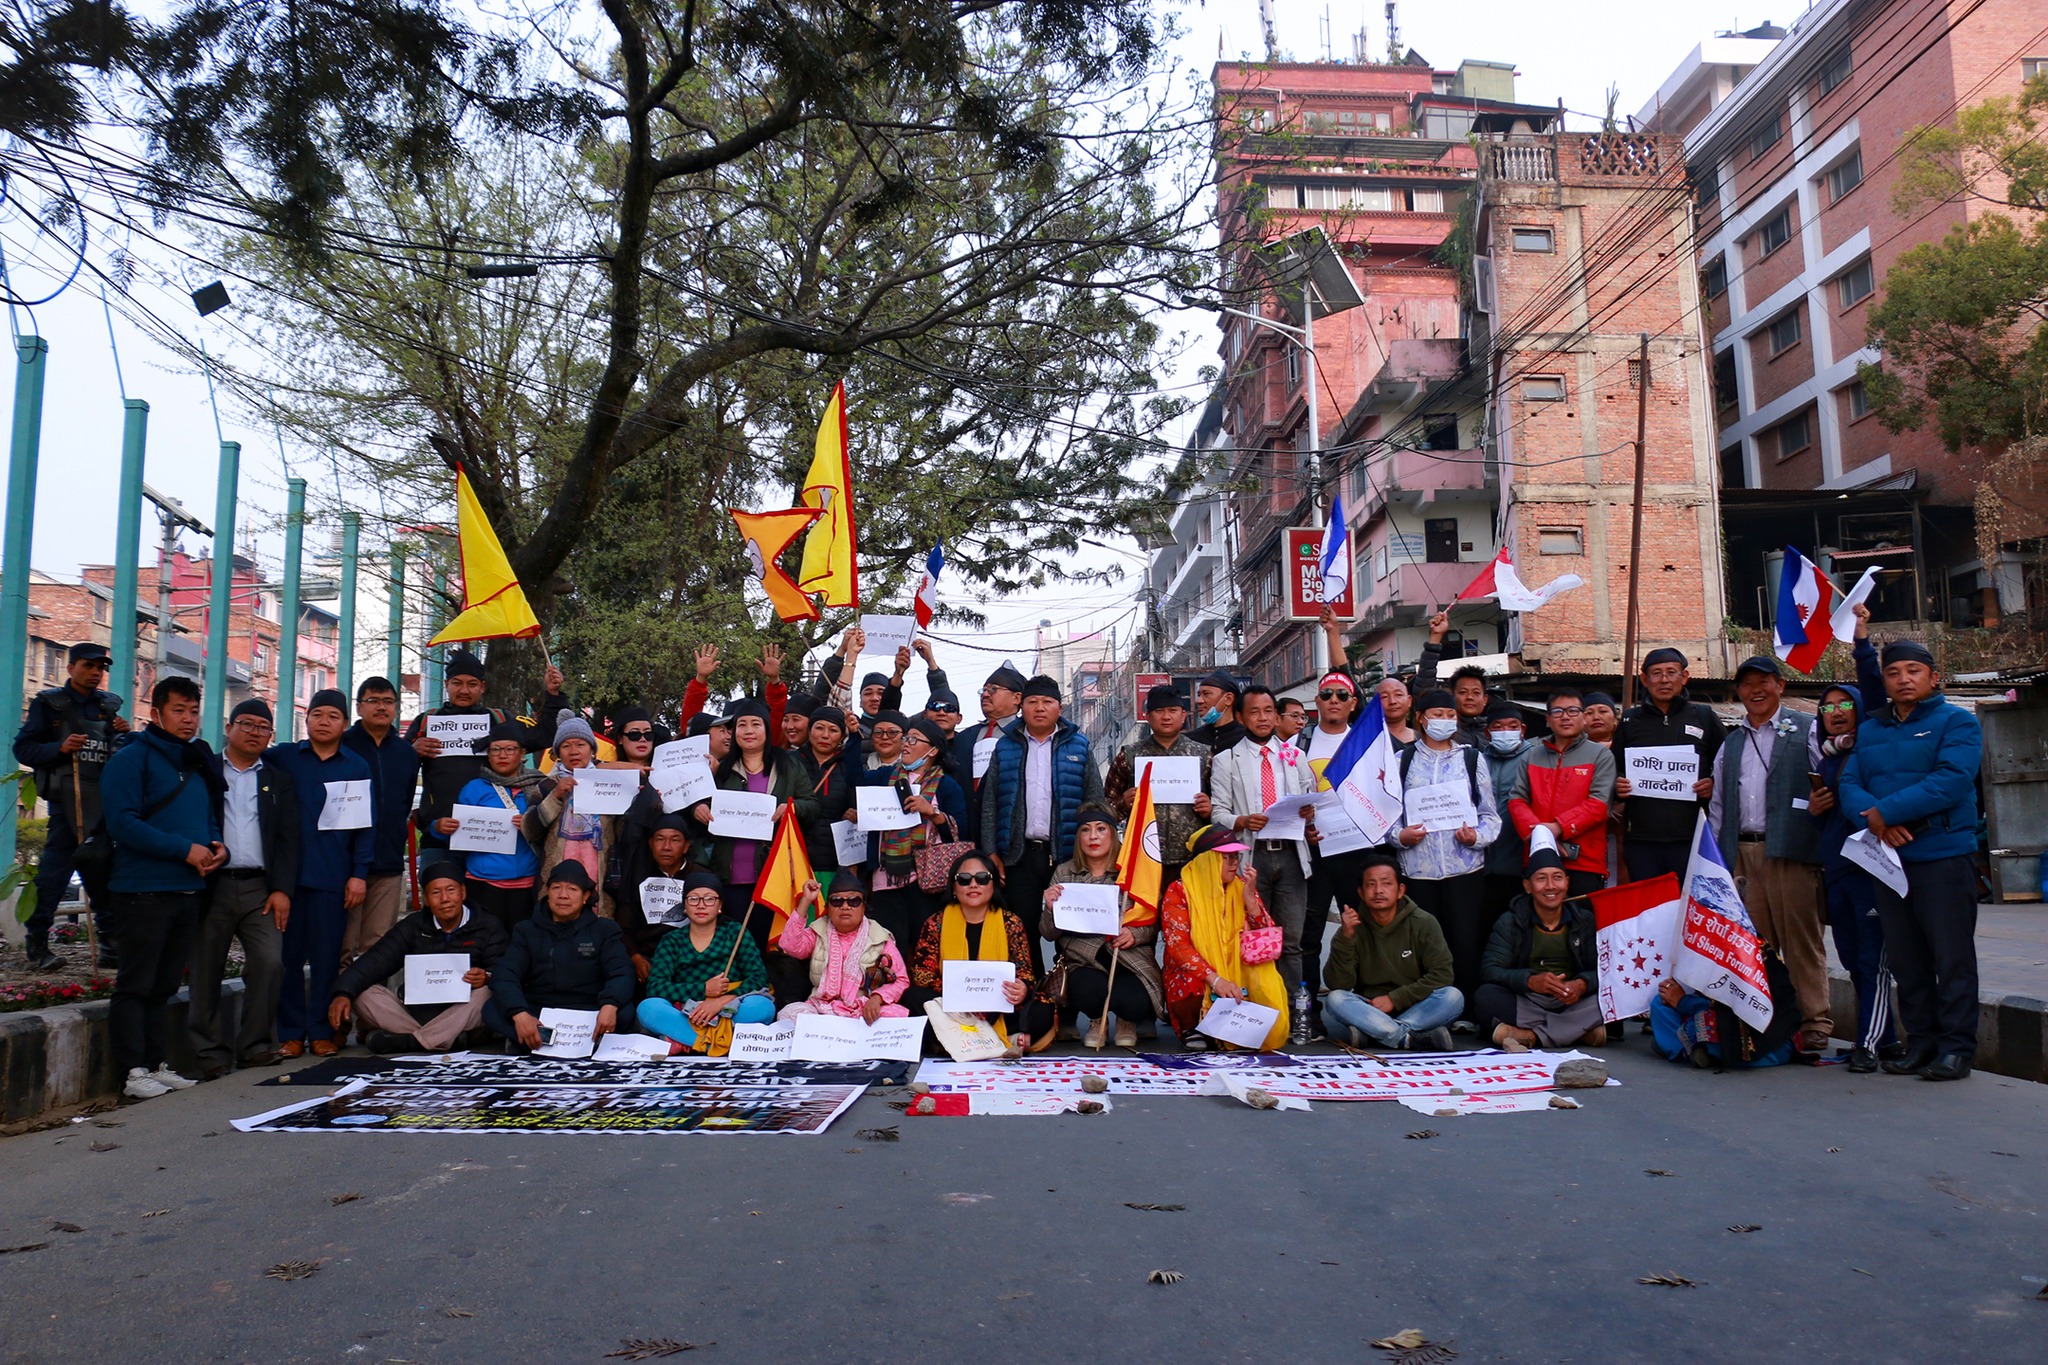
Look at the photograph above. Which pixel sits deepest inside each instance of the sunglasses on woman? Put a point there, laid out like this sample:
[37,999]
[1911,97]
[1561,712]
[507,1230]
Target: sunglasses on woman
[846,900]
[638,734]
[974,879]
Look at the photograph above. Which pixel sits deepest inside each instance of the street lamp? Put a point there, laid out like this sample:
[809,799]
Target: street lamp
[1308,262]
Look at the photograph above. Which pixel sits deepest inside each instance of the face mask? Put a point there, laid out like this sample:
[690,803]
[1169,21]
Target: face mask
[1505,741]
[1439,728]
[1211,716]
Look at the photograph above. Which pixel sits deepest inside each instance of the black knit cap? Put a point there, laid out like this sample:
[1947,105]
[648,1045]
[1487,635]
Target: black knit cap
[463,664]
[328,696]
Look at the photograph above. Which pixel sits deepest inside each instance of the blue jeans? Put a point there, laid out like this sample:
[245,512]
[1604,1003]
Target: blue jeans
[1361,1018]
[670,1021]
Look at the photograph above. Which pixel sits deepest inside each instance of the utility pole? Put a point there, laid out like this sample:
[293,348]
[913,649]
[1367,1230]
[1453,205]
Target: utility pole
[32,355]
[214,709]
[1635,534]
[288,634]
[128,550]
[345,657]
[172,517]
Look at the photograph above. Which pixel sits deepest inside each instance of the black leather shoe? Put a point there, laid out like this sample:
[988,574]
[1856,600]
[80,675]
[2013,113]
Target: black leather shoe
[1862,1059]
[40,958]
[1950,1066]
[385,1043]
[1916,1060]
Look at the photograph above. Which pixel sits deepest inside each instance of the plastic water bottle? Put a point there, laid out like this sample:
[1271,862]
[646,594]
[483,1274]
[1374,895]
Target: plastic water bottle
[1297,1031]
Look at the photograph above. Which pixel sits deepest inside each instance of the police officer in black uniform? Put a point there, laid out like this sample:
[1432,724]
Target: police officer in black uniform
[67,737]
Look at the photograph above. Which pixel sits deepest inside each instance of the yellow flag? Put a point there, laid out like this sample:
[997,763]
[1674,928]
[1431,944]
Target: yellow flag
[829,566]
[1138,870]
[783,875]
[766,535]
[494,606]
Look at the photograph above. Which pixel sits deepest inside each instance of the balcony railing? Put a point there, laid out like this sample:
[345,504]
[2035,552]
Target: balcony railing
[1410,592]
[1535,159]
[1413,477]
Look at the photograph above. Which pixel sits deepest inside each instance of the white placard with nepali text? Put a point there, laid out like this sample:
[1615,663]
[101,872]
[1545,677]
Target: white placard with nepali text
[460,734]
[568,1033]
[1876,857]
[880,808]
[1242,1022]
[834,1038]
[604,791]
[1175,781]
[984,749]
[887,634]
[743,815]
[976,987]
[661,900]
[485,829]
[347,805]
[436,978]
[1087,908]
[850,843]
[1442,806]
[1663,771]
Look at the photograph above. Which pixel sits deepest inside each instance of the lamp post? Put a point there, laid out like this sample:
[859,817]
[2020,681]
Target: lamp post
[24,451]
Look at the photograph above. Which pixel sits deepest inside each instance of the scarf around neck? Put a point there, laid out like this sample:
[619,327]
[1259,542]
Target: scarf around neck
[995,943]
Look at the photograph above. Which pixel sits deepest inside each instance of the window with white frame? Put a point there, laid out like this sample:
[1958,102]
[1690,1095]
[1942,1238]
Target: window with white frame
[1855,284]
[1835,70]
[1534,239]
[1765,135]
[1543,388]
[1776,231]
[1784,331]
[1845,175]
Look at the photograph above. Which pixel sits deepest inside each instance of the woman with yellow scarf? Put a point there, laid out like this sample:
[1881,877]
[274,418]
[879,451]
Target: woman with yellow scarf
[1204,917]
[975,927]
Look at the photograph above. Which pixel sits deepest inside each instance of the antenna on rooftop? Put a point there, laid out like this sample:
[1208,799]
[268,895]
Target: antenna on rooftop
[1272,30]
[1325,31]
[1393,35]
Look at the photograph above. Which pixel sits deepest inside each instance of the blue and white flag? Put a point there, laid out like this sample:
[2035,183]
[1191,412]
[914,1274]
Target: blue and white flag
[1366,773]
[1720,955]
[1336,553]
[928,586]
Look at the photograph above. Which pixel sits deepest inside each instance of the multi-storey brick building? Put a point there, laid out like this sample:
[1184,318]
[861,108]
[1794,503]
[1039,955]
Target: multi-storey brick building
[1378,157]
[1795,164]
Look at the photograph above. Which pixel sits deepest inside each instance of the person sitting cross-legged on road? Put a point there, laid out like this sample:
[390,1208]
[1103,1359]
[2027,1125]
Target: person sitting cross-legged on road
[1390,969]
[705,977]
[447,925]
[564,957]
[1541,972]
[856,969]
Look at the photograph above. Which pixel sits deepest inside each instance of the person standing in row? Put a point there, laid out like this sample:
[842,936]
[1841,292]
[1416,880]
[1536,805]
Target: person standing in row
[1445,869]
[1760,816]
[563,833]
[1244,782]
[1657,830]
[1002,701]
[1566,787]
[1912,780]
[1507,755]
[753,766]
[249,900]
[1216,708]
[1166,715]
[1039,777]
[394,772]
[66,739]
[159,805]
[444,772]
[503,885]
[335,847]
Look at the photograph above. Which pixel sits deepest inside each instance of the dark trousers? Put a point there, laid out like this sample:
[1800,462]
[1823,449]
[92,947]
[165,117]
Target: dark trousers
[234,913]
[510,904]
[156,946]
[1930,940]
[1127,1000]
[499,1022]
[1643,859]
[739,901]
[1500,893]
[1585,883]
[312,940]
[1024,882]
[1331,879]
[902,911]
[53,876]
[1459,905]
[1859,942]
[1034,1017]
[1492,1005]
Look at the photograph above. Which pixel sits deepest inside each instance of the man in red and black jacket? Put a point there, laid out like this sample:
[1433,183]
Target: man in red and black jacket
[1566,788]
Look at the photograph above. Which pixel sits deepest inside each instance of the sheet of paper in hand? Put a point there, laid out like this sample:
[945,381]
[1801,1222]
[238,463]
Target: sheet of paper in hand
[485,829]
[436,978]
[975,987]
[886,634]
[1340,833]
[1239,1021]
[661,900]
[1663,771]
[743,815]
[1286,818]
[831,1038]
[849,842]
[347,805]
[460,734]
[1175,781]
[984,749]
[1876,857]
[881,808]
[1085,908]
[605,791]
[1442,806]
[681,772]
[567,1033]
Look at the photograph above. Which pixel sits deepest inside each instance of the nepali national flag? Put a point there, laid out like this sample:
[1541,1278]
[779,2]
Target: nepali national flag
[1805,608]
[1638,932]
[1500,581]
[1719,953]
[928,586]
[1366,773]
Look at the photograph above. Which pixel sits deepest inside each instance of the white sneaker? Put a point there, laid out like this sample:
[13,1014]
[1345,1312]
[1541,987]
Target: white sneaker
[169,1079]
[143,1086]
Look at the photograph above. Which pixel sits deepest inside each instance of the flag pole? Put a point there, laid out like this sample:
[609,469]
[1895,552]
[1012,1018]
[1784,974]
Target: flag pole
[1635,535]
[1099,1034]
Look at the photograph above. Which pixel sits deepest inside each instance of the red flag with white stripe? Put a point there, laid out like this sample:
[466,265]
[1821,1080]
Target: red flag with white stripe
[1638,927]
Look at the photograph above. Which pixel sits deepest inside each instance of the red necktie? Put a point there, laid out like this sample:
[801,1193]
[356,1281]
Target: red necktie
[1267,792]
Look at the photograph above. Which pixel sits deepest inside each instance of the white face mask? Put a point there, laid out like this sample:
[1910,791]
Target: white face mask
[1505,741]
[1440,728]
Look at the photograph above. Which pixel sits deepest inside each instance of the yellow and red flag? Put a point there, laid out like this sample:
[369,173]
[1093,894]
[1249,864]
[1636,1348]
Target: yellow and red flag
[783,874]
[829,567]
[767,535]
[1138,869]
[494,606]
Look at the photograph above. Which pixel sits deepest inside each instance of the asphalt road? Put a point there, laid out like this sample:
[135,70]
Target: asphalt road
[1518,1237]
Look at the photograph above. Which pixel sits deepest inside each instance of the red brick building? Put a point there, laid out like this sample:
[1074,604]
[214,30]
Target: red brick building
[1795,163]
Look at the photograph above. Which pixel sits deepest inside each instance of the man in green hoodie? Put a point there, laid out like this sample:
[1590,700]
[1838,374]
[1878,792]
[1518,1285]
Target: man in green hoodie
[1389,974]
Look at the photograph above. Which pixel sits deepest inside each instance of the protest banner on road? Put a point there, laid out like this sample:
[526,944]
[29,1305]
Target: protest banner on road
[682,1107]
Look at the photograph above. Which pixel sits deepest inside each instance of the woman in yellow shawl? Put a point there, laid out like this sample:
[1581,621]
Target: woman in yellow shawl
[975,926]
[1203,917]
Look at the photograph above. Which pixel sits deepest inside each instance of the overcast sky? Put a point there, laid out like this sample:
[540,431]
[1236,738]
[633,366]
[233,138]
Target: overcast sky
[1560,52]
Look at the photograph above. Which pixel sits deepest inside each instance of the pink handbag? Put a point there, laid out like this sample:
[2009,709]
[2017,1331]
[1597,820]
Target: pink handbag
[1259,946]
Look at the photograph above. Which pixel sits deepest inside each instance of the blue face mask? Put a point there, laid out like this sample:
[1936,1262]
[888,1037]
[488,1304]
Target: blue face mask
[1505,741]
[1211,716]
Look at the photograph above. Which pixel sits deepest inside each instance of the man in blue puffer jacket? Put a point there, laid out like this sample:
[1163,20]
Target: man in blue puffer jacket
[1038,778]
[1912,780]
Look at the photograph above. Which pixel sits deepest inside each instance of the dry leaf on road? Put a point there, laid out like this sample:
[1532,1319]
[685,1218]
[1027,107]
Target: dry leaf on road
[1671,1281]
[349,1198]
[292,1270]
[1165,1277]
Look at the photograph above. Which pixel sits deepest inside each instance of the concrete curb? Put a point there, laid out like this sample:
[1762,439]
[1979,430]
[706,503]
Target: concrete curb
[2012,1030]
[54,1058]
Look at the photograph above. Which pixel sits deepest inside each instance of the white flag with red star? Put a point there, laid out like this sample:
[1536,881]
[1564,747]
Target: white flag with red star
[1638,926]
